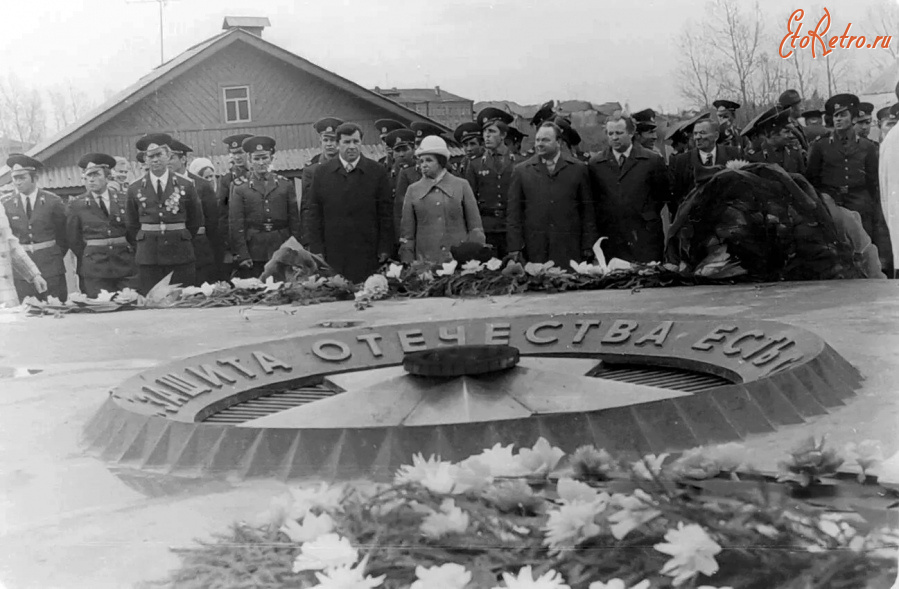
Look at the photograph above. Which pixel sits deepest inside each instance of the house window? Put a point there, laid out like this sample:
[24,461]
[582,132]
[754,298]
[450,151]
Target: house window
[237,104]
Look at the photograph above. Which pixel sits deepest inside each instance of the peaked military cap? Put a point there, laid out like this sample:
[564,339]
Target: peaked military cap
[235,141]
[569,134]
[178,147]
[789,98]
[491,115]
[813,114]
[544,113]
[643,127]
[883,114]
[467,131]
[327,126]
[258,144]
[686,127]
[96,161]
[514,135]
[385,126]
[840,102]
[19,162]
[153,141]
[753,127]
[424,129]
[399,137]
[894,110]
[646,115]
[726,104]
[775,122]
[141,157]
[865,110]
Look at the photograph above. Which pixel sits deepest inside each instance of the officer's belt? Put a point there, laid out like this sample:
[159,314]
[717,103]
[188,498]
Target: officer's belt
[107,241]
[162,226]
[33,247]
[268,226]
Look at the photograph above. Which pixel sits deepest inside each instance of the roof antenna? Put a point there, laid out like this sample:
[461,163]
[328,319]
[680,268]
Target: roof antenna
[161,11]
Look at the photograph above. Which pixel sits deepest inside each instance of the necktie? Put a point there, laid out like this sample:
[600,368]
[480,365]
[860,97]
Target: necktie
[27,206]
[102,204]
[349,168]
[621,159]
[707,159]
[159,188]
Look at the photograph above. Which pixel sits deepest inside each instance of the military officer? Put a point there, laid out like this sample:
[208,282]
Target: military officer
[237,173]
[95,226]
[327,136]
[207,245]
[886,119]
[845,166]
[777,148]
[646,134]
[861,122]
[469,135]
[491,175]
[814,125]
[384,127]
[399,142]
[791,101]
[546,112]
[514,139]
[754,137]
[264,212]
[163,212]
[141,158]
[727,120]
[410,175]
[38,219]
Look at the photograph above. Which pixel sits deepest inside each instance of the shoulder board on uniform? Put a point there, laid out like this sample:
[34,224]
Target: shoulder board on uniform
[238,180]
[185,177]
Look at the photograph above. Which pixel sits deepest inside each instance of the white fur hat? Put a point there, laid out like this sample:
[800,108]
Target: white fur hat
[433,145]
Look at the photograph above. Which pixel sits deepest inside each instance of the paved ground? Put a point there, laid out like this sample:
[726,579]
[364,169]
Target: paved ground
[66,521]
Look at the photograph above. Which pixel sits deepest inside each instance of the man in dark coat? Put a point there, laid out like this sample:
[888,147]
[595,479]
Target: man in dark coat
[207,244]
[845,166]
[727,124]
[814,125]
[777,148]
[95,225]
[264,212]
[325,128]
[236,174]
[350,213]
[385,127]
[790,101]
[491,175]
[550,210]
[400,143]
[38,219]
[706,154]
[630,187]
[163,213]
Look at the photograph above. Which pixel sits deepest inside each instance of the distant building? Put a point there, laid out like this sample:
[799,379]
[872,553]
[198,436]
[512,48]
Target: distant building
[8,146]
[440,105]
[234,82]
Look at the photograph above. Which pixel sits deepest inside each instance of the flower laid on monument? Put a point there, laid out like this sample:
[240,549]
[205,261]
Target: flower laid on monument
[487,522]
[809,462]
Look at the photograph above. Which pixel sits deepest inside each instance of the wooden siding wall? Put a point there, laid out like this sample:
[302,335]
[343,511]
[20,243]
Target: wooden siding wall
[285,103]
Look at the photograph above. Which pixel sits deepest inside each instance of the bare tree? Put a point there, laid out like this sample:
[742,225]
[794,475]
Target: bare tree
[22,115]
[738,35]
[69,104]
[697,71]
[884,19]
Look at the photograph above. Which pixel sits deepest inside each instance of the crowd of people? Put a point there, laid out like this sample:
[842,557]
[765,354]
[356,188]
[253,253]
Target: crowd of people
[418,202]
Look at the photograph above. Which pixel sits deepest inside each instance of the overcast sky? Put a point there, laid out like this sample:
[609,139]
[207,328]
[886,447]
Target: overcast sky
[520,50]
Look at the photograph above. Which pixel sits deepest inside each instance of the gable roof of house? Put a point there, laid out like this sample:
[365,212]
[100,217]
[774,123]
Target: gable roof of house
[173,68]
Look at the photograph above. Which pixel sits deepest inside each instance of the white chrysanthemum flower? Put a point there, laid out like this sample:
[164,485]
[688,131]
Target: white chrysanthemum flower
[471,267]
[446,576]
[635,510]
[395,271]
[448,268]
[693,551]
[449,520]
[326,552]
[571,524]
[570,491]
[618,584]
[525,580]
[376,286]
[433,474]
[540,459]
[247,283]
[499,460]
[325,497]
[313,527]
[736,164]
[346,577]
[494,264]
[650,466]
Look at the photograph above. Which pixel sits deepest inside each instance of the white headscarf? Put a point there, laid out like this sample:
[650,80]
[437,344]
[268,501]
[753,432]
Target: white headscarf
[199,164]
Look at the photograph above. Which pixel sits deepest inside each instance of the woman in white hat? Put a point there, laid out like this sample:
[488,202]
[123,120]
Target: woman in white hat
[439,211]
[203,168]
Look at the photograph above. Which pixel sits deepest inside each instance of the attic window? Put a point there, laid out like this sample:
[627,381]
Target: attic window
[237,104]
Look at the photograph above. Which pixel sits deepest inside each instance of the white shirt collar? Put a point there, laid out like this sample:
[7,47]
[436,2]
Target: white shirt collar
[104,195]
[345,163]
[702,154]
[625,153]
[164,178]
[32,196]
[553,161]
